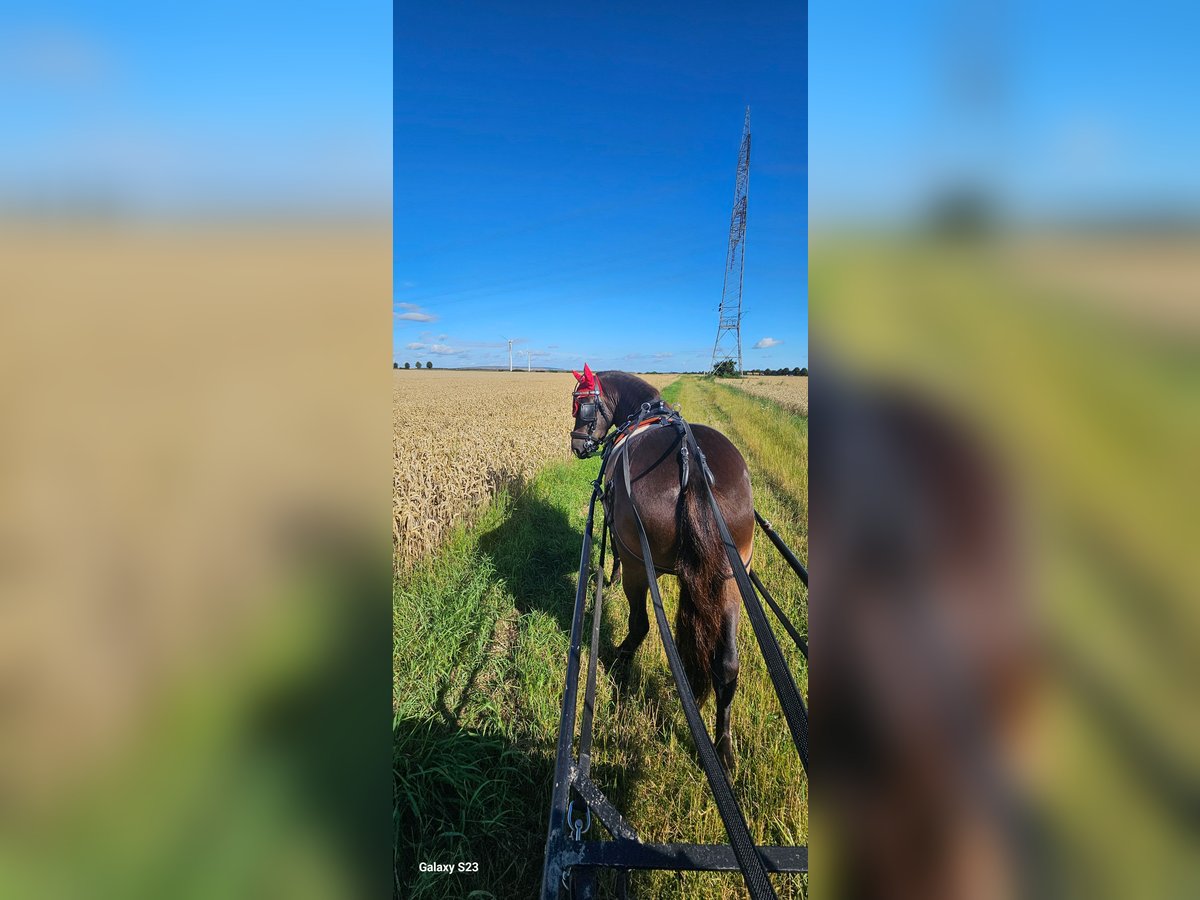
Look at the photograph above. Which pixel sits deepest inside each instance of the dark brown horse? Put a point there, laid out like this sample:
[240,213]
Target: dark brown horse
[681,530]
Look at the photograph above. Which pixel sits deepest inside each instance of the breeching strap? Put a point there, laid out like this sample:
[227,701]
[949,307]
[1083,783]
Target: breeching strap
[751,863]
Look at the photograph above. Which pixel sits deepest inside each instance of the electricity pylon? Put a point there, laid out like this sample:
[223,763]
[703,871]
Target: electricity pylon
[728,344]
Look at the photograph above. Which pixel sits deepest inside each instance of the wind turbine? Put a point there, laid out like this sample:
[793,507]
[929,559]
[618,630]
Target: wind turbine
[510,343]
[528,360]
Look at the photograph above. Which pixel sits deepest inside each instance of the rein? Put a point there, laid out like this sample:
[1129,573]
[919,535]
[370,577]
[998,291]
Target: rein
[598,444]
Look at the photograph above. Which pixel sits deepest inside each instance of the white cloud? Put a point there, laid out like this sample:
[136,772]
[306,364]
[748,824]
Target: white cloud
[414,313]
[443,350]
[665,354]
[415,345]
[767,342]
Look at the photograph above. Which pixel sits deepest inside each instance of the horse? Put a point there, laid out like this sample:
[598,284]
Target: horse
[681,530]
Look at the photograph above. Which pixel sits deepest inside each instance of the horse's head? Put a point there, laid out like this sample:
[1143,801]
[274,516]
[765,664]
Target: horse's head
[593,415]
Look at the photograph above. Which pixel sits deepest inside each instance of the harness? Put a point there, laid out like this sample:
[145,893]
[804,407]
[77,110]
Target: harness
[566,860]
[652,414]
[623,436]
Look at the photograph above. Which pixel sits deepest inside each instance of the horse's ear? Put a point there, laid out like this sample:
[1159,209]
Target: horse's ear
[578,377]
[587,373]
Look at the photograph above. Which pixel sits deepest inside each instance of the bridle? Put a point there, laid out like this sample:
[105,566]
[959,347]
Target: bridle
[586,406]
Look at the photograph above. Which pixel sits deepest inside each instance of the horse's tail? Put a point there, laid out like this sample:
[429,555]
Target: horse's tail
[703,569]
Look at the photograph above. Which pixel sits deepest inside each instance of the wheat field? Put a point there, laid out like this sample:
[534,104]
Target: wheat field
[789,391]
[459,436]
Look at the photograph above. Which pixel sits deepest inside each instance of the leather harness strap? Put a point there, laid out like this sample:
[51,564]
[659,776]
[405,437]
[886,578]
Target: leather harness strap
[622,437]
[631,428]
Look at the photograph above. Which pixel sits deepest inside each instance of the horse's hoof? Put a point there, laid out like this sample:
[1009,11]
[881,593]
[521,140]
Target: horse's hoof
[621,665]
[725,754]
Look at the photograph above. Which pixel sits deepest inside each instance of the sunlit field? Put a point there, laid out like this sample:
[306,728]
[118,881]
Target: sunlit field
[458,437]
[481,629]
[789,391]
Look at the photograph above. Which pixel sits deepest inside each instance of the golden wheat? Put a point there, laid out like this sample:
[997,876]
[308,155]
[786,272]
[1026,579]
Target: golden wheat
[459,436]
[789,391]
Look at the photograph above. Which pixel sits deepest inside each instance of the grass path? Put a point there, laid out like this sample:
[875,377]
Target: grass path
[480,638]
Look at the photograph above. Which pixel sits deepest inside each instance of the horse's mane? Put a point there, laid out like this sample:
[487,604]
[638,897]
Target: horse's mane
[627,384]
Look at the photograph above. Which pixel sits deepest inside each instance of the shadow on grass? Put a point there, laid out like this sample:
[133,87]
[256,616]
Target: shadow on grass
[463,794]
[465,797]
[536,552]
[655,689]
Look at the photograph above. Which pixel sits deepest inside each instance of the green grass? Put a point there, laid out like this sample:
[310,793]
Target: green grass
[480,636]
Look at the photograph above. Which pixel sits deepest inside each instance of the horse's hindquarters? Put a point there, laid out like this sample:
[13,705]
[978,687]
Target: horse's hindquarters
[656,470]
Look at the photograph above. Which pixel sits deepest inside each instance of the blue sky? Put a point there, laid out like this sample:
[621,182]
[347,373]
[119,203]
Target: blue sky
[214,108]
[1083,113]
[563,176]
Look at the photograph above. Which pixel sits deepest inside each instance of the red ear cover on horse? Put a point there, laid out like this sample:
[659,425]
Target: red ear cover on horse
[587,381]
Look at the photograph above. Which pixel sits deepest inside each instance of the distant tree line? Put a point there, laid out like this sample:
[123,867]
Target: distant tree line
[416,365]
[727,368]
[797,370]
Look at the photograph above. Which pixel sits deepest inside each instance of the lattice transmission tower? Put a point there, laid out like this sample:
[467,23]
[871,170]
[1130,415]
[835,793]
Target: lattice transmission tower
[728,344]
